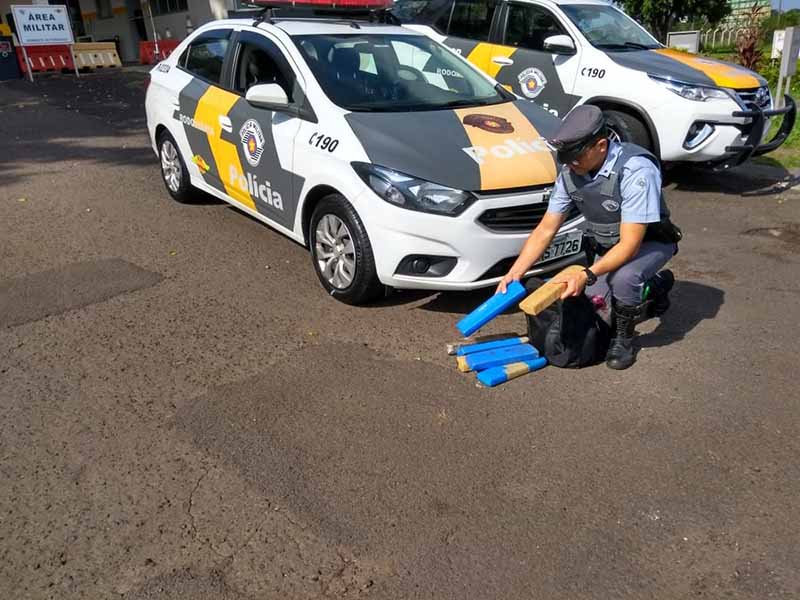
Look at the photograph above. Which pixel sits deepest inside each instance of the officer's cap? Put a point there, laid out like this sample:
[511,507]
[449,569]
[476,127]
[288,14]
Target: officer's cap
[583,126]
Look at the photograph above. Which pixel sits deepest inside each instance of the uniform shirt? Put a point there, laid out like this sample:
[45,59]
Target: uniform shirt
[640,186]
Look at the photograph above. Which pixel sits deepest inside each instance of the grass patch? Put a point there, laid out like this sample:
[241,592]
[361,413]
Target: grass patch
[788,155]
[788,158]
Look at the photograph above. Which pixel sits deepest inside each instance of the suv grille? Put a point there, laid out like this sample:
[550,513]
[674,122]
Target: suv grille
[515,219]
[759,97]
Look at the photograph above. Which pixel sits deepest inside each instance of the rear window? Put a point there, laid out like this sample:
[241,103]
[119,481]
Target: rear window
[206,55]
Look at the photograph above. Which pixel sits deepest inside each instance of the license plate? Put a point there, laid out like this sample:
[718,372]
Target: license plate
[563,245]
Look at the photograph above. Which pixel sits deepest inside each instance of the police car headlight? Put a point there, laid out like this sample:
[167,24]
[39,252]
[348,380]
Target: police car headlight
[412,193]
[698,93]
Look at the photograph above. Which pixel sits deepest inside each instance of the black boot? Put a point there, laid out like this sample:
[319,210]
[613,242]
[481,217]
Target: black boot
[658,299]
[621,354]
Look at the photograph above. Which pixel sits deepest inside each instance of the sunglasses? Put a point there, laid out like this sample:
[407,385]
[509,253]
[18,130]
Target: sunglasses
[571,154]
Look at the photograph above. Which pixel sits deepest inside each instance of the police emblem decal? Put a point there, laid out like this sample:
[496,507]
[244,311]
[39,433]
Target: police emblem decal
[532,81]
[611,205]
[252,141]
[489,123]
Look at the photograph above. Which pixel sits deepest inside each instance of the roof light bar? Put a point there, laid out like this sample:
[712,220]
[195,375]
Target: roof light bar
[343,5]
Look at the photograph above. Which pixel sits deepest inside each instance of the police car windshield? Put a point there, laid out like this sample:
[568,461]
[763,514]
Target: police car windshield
[394,73]
[609,29]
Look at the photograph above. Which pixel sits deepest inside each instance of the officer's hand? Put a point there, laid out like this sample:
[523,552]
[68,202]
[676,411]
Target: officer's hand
[575,284]
[503,285]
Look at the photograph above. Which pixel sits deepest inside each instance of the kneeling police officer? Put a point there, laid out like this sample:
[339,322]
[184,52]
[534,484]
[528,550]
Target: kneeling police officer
[617,188]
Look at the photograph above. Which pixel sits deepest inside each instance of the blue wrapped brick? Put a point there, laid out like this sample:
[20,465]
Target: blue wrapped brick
[497,375]
[494,358]
[493,345]
[491,308]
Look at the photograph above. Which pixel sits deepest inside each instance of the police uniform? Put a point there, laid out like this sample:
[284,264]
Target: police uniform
[625,189]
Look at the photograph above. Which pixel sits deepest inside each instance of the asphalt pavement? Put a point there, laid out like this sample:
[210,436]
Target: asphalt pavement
[184,413]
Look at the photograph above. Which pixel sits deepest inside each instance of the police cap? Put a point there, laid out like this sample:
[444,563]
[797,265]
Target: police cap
[583,126]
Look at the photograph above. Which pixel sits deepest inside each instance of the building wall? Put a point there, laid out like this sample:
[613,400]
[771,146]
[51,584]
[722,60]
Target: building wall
[5,9]
[742,9]
[109,28]
[120,24]
[200,12]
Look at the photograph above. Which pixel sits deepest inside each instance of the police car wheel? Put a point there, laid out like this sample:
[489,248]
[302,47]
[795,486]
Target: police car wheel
[341,252]
[173,169]
[624,127]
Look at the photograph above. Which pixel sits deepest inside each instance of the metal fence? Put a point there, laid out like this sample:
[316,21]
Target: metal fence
[720,37]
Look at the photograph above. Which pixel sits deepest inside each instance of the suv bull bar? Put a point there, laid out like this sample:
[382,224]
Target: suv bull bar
[752,146]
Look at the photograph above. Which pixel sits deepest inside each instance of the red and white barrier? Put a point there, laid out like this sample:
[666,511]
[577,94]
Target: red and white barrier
[46,58]
[147,51]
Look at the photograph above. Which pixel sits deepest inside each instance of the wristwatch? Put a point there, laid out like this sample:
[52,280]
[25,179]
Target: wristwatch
[591,278]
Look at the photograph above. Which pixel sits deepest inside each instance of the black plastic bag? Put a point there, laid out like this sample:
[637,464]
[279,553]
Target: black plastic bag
[569,334]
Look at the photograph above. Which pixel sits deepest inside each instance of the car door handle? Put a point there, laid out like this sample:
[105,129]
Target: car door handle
[502,60]
[225,123]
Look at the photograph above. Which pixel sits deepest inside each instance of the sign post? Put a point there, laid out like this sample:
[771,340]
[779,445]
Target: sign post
[777,43]
[791,48]
[153,27]
[43,25]
[27,63]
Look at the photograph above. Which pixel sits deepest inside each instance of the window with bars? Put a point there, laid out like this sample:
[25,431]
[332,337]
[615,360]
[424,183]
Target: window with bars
[164,7]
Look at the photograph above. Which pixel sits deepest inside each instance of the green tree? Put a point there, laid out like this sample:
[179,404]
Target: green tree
[659,15]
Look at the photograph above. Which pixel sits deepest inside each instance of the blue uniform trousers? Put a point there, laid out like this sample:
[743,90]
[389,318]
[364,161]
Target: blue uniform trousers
[626,284]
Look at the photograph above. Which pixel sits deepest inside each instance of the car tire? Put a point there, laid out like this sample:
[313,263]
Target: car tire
[341,252]
[173,169]
[628,128]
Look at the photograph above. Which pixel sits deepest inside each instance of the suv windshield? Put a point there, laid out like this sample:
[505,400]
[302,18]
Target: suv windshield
[608,28]
[394,73]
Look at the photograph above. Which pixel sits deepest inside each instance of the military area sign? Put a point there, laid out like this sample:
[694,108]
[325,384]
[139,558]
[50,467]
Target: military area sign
[42,24]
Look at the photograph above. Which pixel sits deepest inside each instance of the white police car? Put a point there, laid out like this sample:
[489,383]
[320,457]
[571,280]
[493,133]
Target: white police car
[561,53]
[396,161]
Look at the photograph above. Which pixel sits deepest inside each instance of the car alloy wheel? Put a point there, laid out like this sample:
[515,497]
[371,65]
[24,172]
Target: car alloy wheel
[171,166]
[335,252]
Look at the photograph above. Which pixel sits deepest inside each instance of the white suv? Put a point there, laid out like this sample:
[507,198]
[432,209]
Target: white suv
[392,158]
[561,53]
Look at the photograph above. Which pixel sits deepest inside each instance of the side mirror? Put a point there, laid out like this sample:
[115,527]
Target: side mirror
[560,44]
[268,95]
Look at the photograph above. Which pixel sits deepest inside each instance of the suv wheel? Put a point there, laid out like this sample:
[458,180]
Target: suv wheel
[341,252]
[173,169]
[624,127]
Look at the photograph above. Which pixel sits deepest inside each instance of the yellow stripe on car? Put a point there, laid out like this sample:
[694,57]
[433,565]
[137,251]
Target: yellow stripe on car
[481,56]
[723,74]
[211,106]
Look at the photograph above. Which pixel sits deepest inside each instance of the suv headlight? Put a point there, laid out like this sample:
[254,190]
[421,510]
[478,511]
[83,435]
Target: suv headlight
[412,193]
[698,93]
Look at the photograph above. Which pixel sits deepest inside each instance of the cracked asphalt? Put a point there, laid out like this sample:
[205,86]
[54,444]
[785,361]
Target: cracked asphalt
[184,414]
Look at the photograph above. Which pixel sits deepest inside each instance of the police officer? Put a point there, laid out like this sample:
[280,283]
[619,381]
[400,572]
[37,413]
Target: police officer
[617,188]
